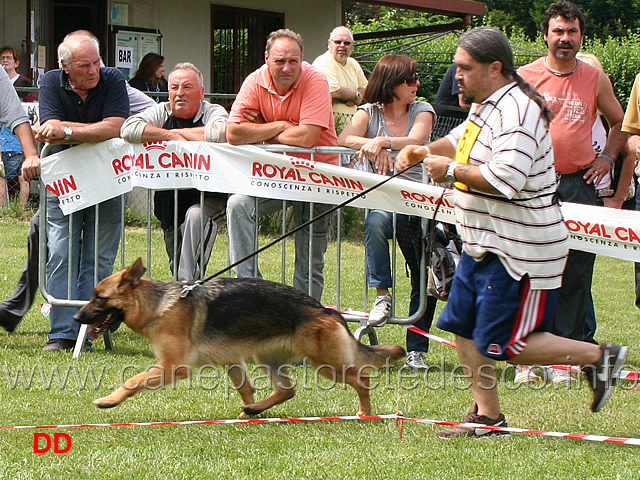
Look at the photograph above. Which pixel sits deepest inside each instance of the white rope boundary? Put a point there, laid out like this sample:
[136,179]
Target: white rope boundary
[398,417]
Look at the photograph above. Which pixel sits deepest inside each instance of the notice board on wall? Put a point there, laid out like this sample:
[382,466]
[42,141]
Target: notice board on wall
[127,46]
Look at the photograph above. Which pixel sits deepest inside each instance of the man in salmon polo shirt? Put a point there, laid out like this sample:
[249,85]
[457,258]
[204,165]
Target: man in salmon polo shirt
[575,91]
[285,101]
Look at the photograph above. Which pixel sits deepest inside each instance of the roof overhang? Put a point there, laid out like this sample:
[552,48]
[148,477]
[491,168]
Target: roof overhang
[462,9]
[451,8]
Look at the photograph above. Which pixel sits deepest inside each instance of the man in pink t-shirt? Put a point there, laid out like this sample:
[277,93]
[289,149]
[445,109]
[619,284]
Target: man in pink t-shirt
[575,91]
[285,101]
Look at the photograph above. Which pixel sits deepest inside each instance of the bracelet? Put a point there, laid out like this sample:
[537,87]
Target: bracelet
[606,157]
[390,142]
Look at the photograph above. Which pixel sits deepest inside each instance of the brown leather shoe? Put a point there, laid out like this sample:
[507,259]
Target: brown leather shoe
[479,432]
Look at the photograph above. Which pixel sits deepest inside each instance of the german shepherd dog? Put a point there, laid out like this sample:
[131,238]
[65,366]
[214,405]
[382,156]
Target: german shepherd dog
[226,321]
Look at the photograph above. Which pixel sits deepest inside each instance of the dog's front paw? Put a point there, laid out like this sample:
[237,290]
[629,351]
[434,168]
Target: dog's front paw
[249,411]
[247,414]
[105,402]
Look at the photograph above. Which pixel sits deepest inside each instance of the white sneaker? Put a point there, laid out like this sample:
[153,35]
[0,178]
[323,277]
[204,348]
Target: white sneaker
[380,311]
[525,374]
[415,361]
[559,376]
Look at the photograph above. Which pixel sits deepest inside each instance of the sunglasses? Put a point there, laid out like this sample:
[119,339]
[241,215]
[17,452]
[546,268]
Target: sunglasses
[346,43]
[412,80]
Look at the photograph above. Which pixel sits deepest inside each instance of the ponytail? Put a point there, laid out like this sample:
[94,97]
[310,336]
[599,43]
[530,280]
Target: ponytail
[530,92]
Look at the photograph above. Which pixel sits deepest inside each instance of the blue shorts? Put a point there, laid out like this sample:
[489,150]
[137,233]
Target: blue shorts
[12,164]
[497,312]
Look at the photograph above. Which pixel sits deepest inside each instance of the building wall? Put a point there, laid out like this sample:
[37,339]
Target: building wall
[186,25]
[13,27]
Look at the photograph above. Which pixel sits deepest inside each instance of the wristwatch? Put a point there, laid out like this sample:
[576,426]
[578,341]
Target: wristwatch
[451,172]
[358,95]
[68,131]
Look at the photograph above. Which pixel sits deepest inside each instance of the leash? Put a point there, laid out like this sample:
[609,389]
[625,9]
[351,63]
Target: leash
[187,288]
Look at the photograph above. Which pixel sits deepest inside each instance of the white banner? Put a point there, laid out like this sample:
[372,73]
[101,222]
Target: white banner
[91,173]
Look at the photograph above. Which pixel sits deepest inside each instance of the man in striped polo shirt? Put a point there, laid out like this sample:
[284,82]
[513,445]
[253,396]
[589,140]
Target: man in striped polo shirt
[515,242]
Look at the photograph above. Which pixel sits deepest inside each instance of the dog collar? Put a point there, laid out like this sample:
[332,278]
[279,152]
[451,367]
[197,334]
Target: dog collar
[187,287]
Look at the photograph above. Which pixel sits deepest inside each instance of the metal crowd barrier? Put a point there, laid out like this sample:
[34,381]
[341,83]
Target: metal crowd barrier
[359,333]
[363,329]
[43,255]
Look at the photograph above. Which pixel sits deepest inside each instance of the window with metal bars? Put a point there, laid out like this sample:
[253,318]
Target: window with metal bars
[238,41]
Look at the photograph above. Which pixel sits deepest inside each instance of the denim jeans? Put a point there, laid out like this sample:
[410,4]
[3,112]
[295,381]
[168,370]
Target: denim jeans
[378,230]
[83,253]
[12,164]
[241,226]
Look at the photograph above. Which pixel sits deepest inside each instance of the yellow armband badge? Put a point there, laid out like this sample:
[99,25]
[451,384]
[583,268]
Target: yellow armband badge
[465,144]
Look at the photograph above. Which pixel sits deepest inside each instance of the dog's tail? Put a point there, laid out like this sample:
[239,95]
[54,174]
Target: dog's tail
[376,356]
[326,339]
[379,355]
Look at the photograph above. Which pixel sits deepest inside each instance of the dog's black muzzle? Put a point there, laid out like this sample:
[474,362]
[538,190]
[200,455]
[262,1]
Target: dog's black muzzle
[100,321]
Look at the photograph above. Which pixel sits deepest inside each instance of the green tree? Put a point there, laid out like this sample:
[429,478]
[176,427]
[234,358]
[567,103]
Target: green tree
[603,18]
[610,18]
[375,18]
[610,27]
[513,15]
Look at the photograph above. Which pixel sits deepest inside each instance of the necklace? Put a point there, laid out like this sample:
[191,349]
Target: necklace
[387,119]
[558,74]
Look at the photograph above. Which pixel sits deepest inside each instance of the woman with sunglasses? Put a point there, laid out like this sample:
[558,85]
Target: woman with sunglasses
[390,120]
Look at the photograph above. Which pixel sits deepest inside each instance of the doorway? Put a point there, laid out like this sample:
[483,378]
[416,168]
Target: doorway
[71,15]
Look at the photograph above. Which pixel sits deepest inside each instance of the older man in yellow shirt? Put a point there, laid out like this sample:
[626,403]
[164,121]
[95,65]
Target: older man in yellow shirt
[346,78]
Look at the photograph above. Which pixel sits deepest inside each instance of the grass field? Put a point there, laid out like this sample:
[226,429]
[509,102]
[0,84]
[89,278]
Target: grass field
[38,388]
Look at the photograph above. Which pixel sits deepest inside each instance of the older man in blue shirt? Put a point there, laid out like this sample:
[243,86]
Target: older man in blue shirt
[80,102]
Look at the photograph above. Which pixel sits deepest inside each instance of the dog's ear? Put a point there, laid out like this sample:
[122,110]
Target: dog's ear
[134,273]
[137,269]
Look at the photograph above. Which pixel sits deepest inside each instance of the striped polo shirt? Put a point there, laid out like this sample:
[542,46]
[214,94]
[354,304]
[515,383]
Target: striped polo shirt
[523,226]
